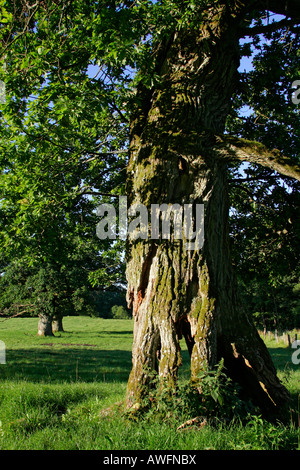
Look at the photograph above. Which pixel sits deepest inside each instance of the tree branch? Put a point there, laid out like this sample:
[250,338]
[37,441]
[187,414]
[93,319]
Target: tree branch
[102,154]
[269,28]
[96,193]
[13,316]
[28,308]
[248,179]
[290,8]
[234,148]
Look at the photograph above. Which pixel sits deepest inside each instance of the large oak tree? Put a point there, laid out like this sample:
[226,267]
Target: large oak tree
[179,154]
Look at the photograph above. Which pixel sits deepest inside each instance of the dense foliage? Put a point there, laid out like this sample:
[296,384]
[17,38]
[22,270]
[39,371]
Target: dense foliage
[264,219]
[61,154]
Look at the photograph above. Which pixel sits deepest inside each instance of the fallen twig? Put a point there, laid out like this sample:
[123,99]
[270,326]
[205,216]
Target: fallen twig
[199,421]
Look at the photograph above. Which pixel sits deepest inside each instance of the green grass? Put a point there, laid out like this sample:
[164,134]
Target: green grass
[66,392]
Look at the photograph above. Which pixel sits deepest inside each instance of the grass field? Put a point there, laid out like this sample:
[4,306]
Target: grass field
[66,392]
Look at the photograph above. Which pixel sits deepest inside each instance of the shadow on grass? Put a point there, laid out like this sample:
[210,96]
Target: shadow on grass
[115,332]
[66,364]
[282,358]
[97,333]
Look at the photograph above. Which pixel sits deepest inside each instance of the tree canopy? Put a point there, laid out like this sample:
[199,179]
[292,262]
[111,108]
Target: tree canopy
[71,70]
[62,151]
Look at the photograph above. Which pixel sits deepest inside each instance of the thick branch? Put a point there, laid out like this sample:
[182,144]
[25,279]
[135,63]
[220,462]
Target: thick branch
[96,193]
[269,28]
[13,316]
[234,148]
[290,8]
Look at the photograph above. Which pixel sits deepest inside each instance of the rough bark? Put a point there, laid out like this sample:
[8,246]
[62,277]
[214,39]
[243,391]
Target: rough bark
[57,324]
[175,158]
[44,325]
[254,152]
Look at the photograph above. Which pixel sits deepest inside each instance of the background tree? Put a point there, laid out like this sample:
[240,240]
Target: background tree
[61,142]
[265,240]
[264,221]
[120,312]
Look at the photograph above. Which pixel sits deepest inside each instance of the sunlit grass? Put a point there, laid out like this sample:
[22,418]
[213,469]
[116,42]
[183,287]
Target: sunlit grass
[67,392]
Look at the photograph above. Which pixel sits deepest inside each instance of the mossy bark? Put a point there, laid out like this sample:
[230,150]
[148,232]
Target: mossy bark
[176,292]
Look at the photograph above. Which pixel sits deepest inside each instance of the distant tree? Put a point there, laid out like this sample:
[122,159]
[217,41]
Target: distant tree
[60,157]
[48,291]
[264,216]
[104,299]
[120,312]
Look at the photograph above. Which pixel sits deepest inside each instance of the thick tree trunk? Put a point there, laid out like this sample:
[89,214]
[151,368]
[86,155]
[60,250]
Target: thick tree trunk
[174,159]
[45,325]
[57,324]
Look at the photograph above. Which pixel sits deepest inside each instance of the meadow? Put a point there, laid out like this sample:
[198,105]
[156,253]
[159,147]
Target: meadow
[67,392]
